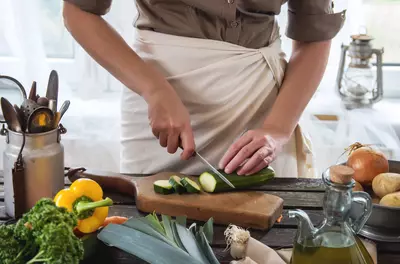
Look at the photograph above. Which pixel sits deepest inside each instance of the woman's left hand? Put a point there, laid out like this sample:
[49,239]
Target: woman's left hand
[259,147]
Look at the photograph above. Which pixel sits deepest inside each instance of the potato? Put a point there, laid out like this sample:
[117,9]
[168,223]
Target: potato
[358,187]
[385,183]
[391,199]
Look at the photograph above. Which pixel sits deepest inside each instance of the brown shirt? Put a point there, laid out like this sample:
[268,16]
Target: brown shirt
[248,23]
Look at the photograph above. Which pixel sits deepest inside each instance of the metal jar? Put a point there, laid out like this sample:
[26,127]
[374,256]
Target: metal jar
[43,158]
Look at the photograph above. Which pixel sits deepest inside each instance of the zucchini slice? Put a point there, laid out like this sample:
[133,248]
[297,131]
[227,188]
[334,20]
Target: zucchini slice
[175,181]
[163,187]
[212,183]
[190,185]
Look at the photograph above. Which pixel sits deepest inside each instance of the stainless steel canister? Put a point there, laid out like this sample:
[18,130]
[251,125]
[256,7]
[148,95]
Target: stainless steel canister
[43,158]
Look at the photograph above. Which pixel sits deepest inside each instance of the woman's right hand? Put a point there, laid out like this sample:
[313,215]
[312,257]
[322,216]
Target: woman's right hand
[170,120]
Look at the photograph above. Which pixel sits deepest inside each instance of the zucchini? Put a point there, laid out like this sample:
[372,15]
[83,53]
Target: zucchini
[163,187]
[175,181]
[212,183]
[190,185]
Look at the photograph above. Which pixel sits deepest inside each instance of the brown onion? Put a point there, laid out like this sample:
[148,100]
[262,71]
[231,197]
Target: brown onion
[358,187]
[366,162]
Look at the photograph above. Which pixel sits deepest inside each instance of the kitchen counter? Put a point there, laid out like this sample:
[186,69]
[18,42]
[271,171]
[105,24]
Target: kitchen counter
[306,194]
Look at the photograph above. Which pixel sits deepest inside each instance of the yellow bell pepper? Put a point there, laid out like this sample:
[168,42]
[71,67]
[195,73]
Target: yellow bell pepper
[85,198]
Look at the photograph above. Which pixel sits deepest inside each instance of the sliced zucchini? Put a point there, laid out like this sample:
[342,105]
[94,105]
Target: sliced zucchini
[163,187]
[175,181]
[190,185]
[212,183]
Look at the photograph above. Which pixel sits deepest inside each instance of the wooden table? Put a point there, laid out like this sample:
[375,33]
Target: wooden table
[303,194]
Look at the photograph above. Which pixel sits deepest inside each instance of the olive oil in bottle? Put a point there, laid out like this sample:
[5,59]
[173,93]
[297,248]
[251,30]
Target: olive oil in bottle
[354,252]
[335,241]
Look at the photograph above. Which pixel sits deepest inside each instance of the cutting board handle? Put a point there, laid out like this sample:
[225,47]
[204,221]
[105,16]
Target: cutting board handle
[110,181]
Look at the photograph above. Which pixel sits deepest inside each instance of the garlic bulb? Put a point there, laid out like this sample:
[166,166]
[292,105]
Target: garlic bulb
[237,239]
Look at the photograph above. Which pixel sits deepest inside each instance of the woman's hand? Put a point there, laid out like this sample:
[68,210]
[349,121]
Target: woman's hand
[170,121]
[253,151]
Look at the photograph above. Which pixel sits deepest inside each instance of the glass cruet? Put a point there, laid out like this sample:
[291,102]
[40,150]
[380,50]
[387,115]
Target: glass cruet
[335,241]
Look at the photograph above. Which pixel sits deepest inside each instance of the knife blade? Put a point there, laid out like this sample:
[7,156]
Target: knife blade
[214,169]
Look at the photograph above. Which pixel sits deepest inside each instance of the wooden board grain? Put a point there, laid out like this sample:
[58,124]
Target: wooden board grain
[248,209]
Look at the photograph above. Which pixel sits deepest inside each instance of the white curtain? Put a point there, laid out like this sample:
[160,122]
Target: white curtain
[93,118]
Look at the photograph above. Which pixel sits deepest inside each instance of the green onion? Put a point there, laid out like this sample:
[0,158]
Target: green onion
[144,246]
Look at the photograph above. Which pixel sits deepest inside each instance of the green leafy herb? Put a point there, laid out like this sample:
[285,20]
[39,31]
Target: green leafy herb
[43,235]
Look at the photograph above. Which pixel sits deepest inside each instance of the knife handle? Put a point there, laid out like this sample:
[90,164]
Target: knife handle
[108,181]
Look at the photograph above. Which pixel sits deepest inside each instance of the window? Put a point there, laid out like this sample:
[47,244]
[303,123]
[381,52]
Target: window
[381,17]
[66,56]
[57,41]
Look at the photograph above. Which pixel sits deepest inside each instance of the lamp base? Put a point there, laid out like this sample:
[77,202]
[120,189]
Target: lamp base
[356,104]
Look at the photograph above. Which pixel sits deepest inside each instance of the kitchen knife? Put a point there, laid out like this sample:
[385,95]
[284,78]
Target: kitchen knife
[208,164]
[214,169]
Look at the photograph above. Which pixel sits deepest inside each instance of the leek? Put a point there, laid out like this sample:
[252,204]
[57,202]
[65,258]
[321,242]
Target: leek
[181,220]
[208,230]
[142,225]
[166,222]
[203,242]
[144,246]
[153,220]
[177,239]
[143,236]
[191,245]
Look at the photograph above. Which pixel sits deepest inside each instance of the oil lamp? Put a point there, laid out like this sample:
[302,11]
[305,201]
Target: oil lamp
[360,83]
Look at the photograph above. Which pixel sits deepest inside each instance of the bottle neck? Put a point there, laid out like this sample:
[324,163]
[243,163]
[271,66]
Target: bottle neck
[337,205]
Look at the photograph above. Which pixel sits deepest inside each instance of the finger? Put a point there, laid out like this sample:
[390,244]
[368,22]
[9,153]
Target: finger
[234,149]
[259,167]
[163,138]
[173,142]
[246,152]
[188,145]
[258,157]
[156,133]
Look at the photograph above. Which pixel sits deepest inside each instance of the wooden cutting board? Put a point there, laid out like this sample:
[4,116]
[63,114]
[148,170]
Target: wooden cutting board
[248,209]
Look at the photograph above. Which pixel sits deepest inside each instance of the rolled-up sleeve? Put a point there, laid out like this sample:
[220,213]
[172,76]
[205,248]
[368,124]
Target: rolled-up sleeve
[313,20]
[97,7]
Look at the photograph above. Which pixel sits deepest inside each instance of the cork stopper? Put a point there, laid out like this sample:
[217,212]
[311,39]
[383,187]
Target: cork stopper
[341,174]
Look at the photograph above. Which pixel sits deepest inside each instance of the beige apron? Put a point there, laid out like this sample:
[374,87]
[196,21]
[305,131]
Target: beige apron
[227,90]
